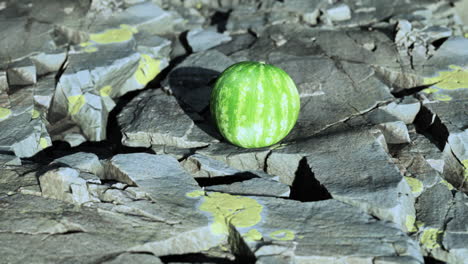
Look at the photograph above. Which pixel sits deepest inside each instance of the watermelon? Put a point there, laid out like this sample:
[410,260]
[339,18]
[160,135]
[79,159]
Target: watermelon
[254,104]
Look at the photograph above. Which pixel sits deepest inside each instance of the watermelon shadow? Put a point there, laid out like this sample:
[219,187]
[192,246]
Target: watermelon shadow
[192,87]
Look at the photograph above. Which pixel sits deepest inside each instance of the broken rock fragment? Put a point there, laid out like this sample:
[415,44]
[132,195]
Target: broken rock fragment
[161,121]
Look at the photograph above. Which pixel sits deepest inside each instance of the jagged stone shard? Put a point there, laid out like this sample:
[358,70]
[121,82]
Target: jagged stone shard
[161,121]
[200,39]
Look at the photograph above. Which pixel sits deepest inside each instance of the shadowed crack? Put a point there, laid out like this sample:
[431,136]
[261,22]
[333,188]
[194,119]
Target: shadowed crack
[195,258]
[305,187]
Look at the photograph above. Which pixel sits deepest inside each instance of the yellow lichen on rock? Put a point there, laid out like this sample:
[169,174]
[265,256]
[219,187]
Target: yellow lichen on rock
[4,113]
[465,165]
[449,80]
[35,114]
[43,143]
[430,238]
[148,68]
[282,234]
[227,209]
[415,185]
[410,223]
[75,103]
[105,91]
[115,35]
[252,235]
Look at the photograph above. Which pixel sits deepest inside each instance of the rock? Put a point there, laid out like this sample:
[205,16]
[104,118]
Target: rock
[339,13]
[58,227]
[405,111]
[23,135]
[49,62]
[255,186]
[257,223]
[364,167]
[134,258]
[203,39]
[200,166]
[161,122]
[395,132]
[456,233]
[15,177]
[235,157]
[21,73]
[64,184]
[3,83]
[82,161]
[9,160]
[238,42]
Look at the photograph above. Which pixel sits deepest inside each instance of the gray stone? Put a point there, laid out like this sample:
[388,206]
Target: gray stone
[203,39]
[338,226]
[161,122]
[64,184]
[82,161]
[15,177]
[21,73]
[200,166]
[134,258]
[58,227]
[7,160]
[339,13]
[23,135]
[395,132]
[48,62]
[255,186]
[235,157]
[354,168]
[3,82]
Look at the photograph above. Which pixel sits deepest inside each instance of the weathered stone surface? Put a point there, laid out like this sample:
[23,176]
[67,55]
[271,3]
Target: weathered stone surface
[202,39]
[23,135]
[21,73]
[15,177]
[64,184]
[354,168]
[255,186]
[161,122]
[315,233]
[82,161]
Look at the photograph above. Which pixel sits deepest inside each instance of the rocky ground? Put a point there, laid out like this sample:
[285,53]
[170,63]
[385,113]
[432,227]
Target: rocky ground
[108,153]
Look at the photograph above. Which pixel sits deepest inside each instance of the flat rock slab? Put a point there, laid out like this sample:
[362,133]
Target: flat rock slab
[160,121]
[312,232]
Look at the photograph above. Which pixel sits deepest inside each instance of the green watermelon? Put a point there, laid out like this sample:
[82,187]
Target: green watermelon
[254,104]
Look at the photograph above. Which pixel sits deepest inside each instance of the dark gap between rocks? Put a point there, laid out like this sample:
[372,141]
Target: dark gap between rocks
[220,19]
[430,126]
[410,91]
[431,260]
[195,258]
[438,43]
[238,177]
[242,252]
[305,187]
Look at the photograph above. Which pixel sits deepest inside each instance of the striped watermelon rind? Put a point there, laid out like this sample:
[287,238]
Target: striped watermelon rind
[254,104]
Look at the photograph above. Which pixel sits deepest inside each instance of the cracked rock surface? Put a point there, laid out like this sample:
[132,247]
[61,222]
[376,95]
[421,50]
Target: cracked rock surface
[109,154]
